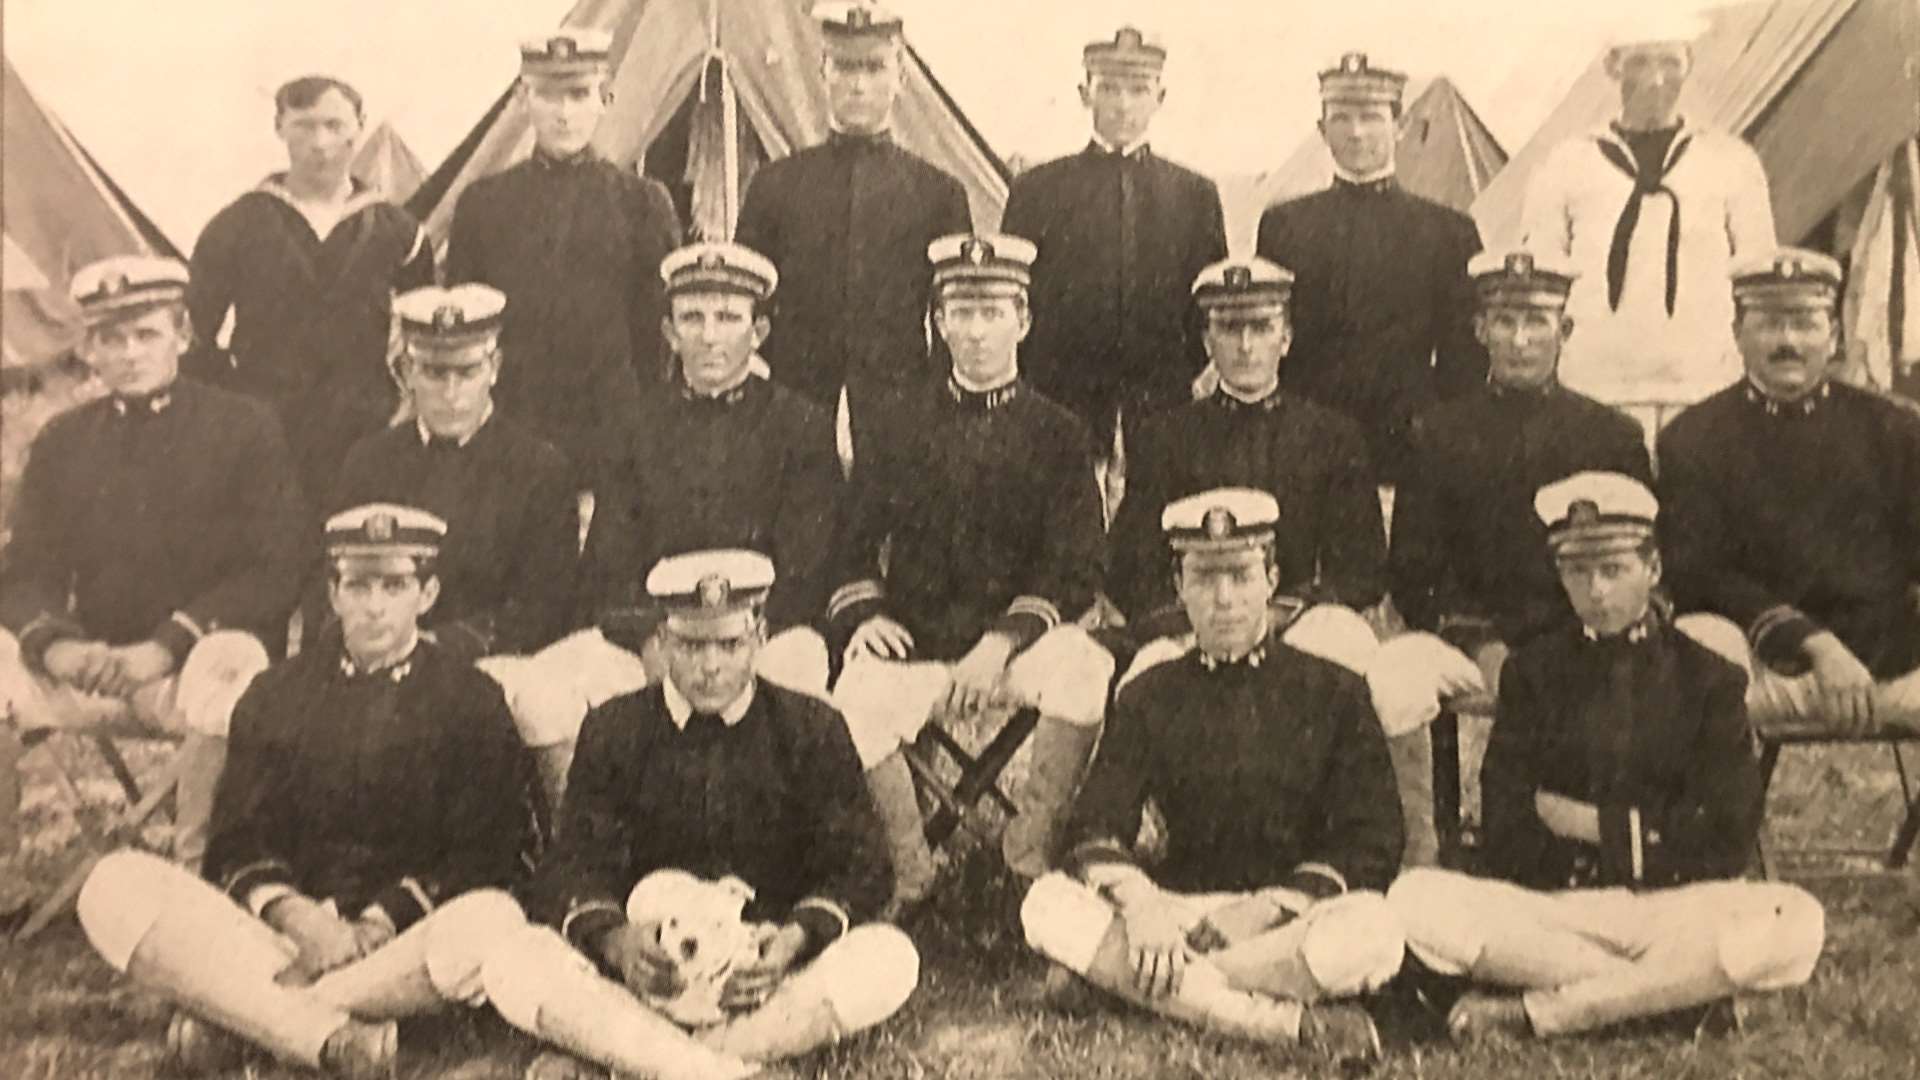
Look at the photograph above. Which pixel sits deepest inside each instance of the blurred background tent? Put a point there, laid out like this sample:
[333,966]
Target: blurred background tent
[1444,153]
[703,94]
[386,163]
[1828,93]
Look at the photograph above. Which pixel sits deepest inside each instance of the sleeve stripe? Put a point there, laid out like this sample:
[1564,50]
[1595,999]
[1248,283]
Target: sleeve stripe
[1321,869]
[848,595]
[185,622]
[1035,605]
[1771,619]
[273,870]
[821,903]
[419,895]
[419,241]
[590,906]
[1634,844]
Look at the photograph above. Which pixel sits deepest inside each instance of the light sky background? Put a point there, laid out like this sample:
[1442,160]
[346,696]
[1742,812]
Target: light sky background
[174,97]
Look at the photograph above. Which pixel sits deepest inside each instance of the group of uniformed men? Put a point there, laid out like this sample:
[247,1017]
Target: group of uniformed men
[805,544]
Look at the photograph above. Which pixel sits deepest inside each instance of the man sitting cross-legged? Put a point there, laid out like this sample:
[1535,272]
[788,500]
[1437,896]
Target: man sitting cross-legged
[713,774]
[375,803]
[1621,794]
[989,518]
[1278,795]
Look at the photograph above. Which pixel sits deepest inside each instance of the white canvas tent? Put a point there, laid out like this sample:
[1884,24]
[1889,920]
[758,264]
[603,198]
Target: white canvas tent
[704,91]
[386,163]
[1828,94]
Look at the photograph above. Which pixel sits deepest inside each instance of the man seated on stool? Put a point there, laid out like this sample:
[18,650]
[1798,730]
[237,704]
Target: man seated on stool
[374,806]
[1795,513]
[513,527]
[1274,780]
[724,458]
[714,774]
[989,515]
[1621,798]
[156,546]
[1468,565]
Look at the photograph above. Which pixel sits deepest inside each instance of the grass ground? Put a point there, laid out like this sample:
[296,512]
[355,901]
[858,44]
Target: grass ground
[64,1015]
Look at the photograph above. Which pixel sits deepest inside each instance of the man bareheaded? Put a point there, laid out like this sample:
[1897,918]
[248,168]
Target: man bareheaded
[719,299]
[319,118]
[1785,322]
[1122,91]
[1248,327]
[563,84]
[450,357]
[863,63]
[1522,318]
[1360,115]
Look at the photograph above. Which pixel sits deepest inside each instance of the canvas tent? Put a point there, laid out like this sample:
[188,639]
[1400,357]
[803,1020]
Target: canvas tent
[386,163]
[61,212]
[1444,153]
[704,92]
[1826,92]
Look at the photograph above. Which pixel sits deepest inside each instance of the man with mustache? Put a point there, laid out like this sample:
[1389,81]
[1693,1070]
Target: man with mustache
[1651,210]
[1795,512]
[847,223]
[1269,770]
[575,243]
[971,546]
[1380,275]
[306,265]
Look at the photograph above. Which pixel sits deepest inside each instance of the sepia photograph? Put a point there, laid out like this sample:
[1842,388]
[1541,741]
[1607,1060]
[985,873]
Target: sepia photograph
[975,539]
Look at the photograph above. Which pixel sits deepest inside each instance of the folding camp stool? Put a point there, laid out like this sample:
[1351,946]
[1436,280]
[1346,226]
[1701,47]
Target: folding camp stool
[1456,846]
[144,798]
[1771,745]
[956,802]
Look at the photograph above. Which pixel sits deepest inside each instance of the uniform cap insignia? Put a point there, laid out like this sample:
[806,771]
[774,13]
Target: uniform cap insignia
[1129,38]
[1219,523]
[114,283]
[380,527]
[1789,268]
[711,260]
[859,18]
[448,317]
[1353,62]
[1237,277]
[713,590]
[1583,512]
[1520,264]
[560,48]
[976,251]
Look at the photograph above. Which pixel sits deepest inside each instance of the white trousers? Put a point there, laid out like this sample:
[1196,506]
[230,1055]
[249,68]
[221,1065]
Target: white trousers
[197,699]
[1781,703]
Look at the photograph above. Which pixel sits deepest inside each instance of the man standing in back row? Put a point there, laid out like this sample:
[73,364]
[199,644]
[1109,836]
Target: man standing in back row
[1121,232]
[575,243]
[1385,309]
[847,224]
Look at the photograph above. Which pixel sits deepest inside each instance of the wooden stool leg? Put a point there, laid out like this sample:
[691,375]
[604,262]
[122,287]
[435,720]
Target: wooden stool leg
[979,775]
[1910,824]
[1446,785]
[1769,761]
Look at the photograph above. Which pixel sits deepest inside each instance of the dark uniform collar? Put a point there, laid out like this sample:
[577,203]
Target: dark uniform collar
[1773,406]
[581,157]
[1502,392]
[393,672]
[1100,148]
[860,140]
[142,404]
[982,400]
[731,396]
[1252,658]
[1637,632]
[1380,185]
[1266,402]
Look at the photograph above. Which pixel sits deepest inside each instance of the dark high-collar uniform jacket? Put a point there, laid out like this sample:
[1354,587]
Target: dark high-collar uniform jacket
[509,561]
[990,517]
[310,316]
[403,787]
[1794,519]
[161,519]
[751,468]
[1121,239]
[847,223]
[1466,540]
[1268,771]
[575,244]
[1330,544]
[776,799]
[1382,306]
[1650,727]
